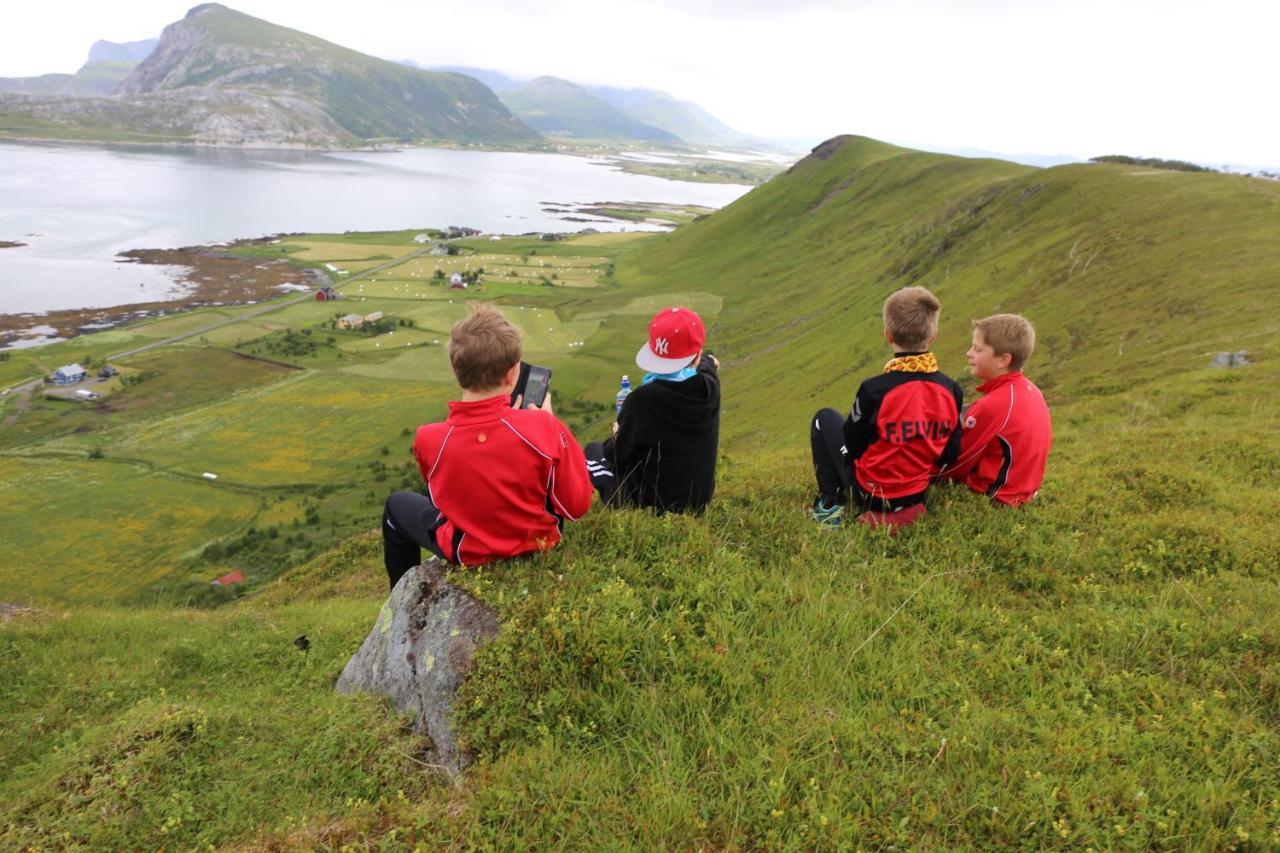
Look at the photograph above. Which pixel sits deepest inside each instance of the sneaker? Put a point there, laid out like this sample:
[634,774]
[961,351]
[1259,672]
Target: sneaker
[826,515]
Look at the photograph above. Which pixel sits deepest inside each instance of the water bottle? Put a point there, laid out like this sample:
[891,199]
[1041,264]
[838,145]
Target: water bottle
[623,391]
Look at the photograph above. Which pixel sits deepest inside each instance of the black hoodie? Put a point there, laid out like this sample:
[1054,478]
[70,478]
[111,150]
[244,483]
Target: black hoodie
[664,453]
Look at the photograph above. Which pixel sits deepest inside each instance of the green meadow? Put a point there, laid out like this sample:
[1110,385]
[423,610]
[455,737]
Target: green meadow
[1100,669]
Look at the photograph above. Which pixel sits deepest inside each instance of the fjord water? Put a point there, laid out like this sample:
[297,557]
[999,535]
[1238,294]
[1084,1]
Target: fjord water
[77,207]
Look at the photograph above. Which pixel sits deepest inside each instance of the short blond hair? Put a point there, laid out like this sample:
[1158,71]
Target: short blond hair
[482,347]
[1008,334]
[911,317]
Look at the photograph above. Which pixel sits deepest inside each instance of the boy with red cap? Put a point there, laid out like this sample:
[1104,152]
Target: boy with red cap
[501,481]
[1008,432]
[662,454]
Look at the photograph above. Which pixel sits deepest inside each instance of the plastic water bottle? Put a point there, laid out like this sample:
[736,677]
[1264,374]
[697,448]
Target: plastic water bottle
[623,391]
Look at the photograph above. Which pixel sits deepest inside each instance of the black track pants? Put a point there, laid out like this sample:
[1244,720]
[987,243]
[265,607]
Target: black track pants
[409,524]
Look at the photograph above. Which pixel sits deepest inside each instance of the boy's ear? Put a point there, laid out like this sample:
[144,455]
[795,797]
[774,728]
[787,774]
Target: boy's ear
[888,337]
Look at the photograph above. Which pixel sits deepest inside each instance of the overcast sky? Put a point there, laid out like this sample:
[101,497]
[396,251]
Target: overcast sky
[1189,80]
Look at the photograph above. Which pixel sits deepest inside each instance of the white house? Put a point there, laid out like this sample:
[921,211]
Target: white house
[68,374]
[456,282]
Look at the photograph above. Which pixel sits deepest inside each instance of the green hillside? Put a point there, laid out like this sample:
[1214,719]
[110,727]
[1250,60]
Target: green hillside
[1099,669]
[93,79]
[560,108]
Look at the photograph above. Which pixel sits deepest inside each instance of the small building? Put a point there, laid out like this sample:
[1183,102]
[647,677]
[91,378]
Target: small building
[107,372]
[230,578]
[326,294]
[350,321]
[422,238]
[457,282]
[438,249]
[373,317]
[68,374]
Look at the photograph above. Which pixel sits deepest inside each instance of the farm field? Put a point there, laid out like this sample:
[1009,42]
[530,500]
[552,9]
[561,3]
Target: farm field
[94,531]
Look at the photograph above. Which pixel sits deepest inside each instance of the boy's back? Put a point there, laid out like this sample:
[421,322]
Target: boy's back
[665,449]
[903,424]
[504,479]
[1007,436]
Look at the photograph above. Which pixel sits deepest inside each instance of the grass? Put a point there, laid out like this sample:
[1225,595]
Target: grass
[1098,669]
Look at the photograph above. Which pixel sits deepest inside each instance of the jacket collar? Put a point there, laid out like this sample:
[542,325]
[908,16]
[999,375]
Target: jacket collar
[999,382]
[478,411]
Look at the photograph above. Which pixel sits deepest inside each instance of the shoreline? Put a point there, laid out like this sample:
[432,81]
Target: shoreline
[214,278]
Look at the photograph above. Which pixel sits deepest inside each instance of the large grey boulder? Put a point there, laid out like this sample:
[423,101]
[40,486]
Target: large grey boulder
[419,653]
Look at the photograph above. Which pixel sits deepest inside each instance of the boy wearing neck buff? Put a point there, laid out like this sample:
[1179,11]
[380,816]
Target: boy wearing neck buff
[904,425]
[662,454]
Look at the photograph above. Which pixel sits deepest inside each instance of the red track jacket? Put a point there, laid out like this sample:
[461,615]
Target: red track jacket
[505,479]
[1006,441]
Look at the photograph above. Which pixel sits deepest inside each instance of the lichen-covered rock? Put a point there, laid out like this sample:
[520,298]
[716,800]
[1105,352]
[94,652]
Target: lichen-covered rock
[419,653]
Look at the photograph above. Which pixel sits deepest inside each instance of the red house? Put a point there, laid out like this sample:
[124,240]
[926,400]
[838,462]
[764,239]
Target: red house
[326,294]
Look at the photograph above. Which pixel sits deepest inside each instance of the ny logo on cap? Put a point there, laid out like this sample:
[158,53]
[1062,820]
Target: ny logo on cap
[660,346]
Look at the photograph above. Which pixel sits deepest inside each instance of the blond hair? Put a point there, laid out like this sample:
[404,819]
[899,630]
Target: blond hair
[911,317]
[482,348]
[1008,334]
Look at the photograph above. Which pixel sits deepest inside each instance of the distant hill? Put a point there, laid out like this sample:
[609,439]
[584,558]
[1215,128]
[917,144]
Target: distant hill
[495,80]
[131,52]
[224,78]
[108,64]
[685,119]
[560,108]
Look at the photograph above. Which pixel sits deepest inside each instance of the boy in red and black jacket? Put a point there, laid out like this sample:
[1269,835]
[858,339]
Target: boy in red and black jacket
[501,481]
[1008,431]
[904,425]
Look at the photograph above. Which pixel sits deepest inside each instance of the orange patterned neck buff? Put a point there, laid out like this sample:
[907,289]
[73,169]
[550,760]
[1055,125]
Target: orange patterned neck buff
[925,362]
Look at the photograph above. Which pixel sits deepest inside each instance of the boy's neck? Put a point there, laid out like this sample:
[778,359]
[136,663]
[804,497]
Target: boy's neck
[999,375]
[469,396]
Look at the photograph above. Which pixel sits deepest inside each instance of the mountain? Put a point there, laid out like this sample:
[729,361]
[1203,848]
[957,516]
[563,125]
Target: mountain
[222,77]
[560,108]
[495,80]
[131,52]
[108,64]
[685,119]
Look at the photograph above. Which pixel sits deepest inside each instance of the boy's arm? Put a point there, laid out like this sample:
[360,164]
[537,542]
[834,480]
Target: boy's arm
[980,426]
[860,426]
[951,452]
[570,488]
[624,445]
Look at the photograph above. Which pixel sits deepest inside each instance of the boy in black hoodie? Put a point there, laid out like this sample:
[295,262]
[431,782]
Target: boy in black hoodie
[663,451]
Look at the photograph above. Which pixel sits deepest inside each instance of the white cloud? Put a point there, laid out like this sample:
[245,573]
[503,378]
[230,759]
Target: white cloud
[1174,79]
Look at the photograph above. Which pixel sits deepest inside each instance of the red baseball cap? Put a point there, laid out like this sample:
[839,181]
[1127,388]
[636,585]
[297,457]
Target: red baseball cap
[676,337]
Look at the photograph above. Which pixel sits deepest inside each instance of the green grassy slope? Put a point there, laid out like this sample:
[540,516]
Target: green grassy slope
[1100,669]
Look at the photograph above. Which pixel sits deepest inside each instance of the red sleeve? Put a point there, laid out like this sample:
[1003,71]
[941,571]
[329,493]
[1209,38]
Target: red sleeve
[980,425]
[422,450]
[570,484]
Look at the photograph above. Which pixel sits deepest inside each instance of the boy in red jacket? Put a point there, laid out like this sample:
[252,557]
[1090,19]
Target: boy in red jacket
[1008,432]
[903,426]
[500,480]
